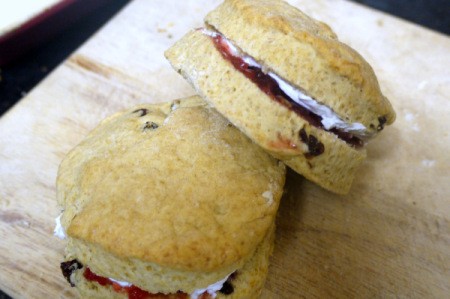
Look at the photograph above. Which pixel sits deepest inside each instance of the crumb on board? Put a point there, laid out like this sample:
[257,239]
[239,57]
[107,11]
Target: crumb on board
[428,163]
[268,196]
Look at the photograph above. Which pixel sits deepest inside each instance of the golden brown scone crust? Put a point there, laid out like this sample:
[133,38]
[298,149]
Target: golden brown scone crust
[180,188]
[307,54]
[271,125]
[248,283]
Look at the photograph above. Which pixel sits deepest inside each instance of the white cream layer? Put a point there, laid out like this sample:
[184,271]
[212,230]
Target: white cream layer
[59,230]
[121,283]
[330,119]
[211,289]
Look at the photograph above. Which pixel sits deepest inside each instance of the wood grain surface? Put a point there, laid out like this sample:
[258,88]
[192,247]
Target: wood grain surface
[390,237]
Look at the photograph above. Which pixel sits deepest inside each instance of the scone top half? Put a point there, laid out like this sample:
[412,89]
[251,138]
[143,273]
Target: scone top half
[170,198]
[310,84]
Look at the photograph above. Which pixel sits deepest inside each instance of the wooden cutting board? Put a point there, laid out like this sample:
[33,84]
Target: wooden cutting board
[390,237]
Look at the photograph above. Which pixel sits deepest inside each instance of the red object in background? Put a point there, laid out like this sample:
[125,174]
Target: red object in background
[44,26]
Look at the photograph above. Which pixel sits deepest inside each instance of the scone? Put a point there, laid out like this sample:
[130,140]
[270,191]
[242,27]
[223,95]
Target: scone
[289,84]
[171,201]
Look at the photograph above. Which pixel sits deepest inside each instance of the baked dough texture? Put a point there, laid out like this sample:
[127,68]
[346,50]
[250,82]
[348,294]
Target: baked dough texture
[168,197]
[305,53]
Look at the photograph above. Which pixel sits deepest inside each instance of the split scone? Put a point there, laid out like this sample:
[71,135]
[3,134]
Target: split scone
[289,84]
[171,201]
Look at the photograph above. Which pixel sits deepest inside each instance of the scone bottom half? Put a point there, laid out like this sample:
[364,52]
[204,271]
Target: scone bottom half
[168,200]
[288,83]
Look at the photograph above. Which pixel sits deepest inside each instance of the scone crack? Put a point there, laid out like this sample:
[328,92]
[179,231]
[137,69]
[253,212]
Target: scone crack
[293,98]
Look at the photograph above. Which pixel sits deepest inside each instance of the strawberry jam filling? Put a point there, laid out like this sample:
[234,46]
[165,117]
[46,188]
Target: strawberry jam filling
[133,291]
[270,87]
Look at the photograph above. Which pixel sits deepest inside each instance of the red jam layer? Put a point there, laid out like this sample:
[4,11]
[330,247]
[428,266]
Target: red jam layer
[270,87]
[133,291]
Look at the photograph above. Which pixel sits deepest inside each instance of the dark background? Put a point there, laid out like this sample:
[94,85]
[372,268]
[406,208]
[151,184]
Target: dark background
[19,77]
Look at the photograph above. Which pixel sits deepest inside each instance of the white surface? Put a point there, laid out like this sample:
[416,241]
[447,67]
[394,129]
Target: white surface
[14,13]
